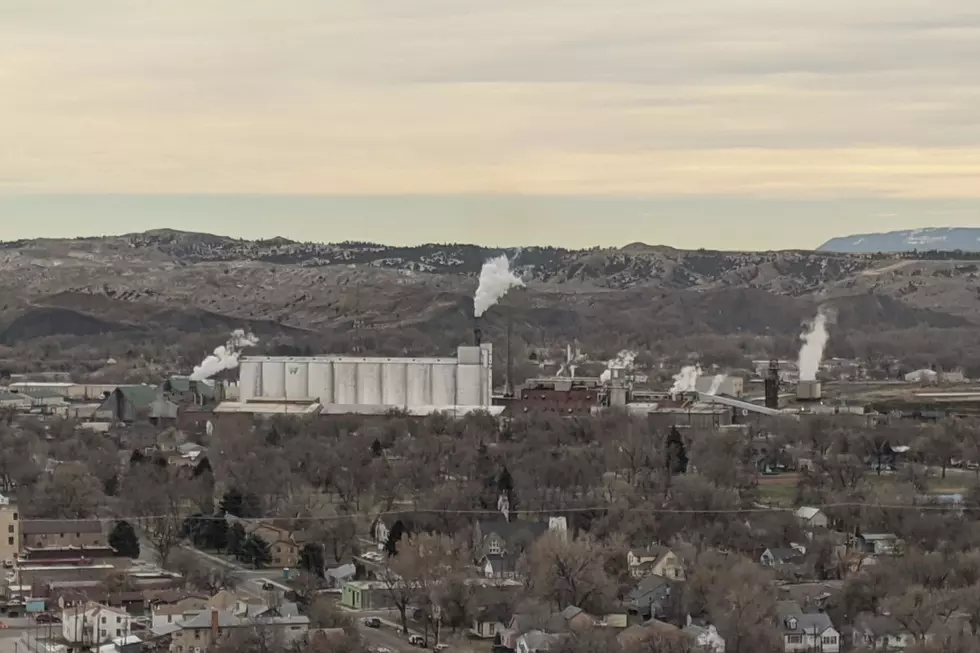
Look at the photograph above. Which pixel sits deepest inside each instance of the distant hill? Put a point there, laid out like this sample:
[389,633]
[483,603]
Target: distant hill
[963,239]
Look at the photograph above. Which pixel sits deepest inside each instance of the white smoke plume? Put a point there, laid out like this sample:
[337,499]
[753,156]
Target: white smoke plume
[495,280]
[716,384]
[224,357]
[623,361]
[686,380]
[814,340]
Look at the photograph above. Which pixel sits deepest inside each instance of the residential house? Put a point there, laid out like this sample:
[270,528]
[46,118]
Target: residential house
[812,517]
[285,544]
[781,557]
[536,641]
[9,531]
[704,636]
[502,536]
[635,635]
[89,624]
[202,632]
[491,621]
[60,533]
[880,633]
[881,544]
[337,576]
[506,565]
[651,597]
[806,631]
[655,561]
[165,615]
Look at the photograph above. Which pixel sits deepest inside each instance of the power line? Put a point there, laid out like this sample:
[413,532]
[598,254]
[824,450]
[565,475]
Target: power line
[541,511]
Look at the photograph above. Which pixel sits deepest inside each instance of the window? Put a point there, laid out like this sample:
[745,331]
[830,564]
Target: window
[118,620]
[197,634]
[103,619]
[10,541]
[494,548]
[829,640]
[118,632]
[10,529]
[794,639]
[15,516]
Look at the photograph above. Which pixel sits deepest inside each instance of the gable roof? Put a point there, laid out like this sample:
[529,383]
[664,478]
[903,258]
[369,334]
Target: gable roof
[807,513]
[784,556]
[508,530]
[810,623]
[138,395]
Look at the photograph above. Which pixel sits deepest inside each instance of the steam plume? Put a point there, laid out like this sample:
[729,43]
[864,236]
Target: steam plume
[814,341]
[623,361]
[495,280]
[224,357]
[686,380]
[716,384]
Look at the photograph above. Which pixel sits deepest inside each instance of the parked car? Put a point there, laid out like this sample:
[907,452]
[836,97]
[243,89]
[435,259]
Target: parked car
[441,647]
[371,622]
[416,640]
[46,618]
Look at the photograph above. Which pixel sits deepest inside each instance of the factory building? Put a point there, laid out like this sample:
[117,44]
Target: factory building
[354,384]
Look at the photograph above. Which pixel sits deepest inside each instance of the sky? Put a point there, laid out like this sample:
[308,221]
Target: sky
[749,124]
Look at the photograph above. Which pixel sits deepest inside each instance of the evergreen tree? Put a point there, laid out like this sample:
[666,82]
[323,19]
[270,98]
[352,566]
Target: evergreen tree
[240,504]
[394,537]
[203,467]
[255,551]
[676,453]
[236,538]
[137,457]
[376,449]
[312,559]
[124,540]
[218,533]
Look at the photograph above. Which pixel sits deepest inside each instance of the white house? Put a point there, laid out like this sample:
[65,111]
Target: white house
[806,631]
[705,637]
[91,624]
[811,517]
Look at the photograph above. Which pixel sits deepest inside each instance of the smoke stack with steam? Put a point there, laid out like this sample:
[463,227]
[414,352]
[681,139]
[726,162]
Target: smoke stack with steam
[814,342]
[496,279]
[224,357]
[686,380]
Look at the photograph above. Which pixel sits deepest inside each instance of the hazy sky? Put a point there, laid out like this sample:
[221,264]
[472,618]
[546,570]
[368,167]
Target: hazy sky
[722,123]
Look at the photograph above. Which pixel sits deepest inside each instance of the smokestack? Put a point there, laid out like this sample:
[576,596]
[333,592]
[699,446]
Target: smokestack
[477,336]
[772,385]
[509,373]
[215,625]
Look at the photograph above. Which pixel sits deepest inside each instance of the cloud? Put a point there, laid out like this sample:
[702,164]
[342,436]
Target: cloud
[571,96]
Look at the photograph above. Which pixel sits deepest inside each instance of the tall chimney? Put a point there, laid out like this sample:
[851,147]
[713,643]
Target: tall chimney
[215,624]
[509,378]
[772,385]
[477,336]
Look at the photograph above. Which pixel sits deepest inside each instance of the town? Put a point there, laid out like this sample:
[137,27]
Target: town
[357,503]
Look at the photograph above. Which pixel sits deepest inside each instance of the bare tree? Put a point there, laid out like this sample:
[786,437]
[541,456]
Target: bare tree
[156,495]
[566,572]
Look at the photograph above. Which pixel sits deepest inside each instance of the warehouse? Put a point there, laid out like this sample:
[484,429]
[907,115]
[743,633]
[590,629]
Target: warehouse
[365,383]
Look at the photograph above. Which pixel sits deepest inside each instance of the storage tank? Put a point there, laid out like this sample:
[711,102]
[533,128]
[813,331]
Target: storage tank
[345,383]
[443,385]
[369,384]
[320,381]
[273,379]
[808,391]
[297,380]
[393,391]
[419,390]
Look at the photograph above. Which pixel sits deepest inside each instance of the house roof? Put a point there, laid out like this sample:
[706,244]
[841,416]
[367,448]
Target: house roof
[510,529]
[877,537]
[807,513]
[785,555]
[138,395]
[54,526]
[42,393]
[813,623]
[495,613]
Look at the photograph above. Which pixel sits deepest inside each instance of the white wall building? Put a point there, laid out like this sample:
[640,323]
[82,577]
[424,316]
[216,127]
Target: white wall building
[91,624]
[465,380]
